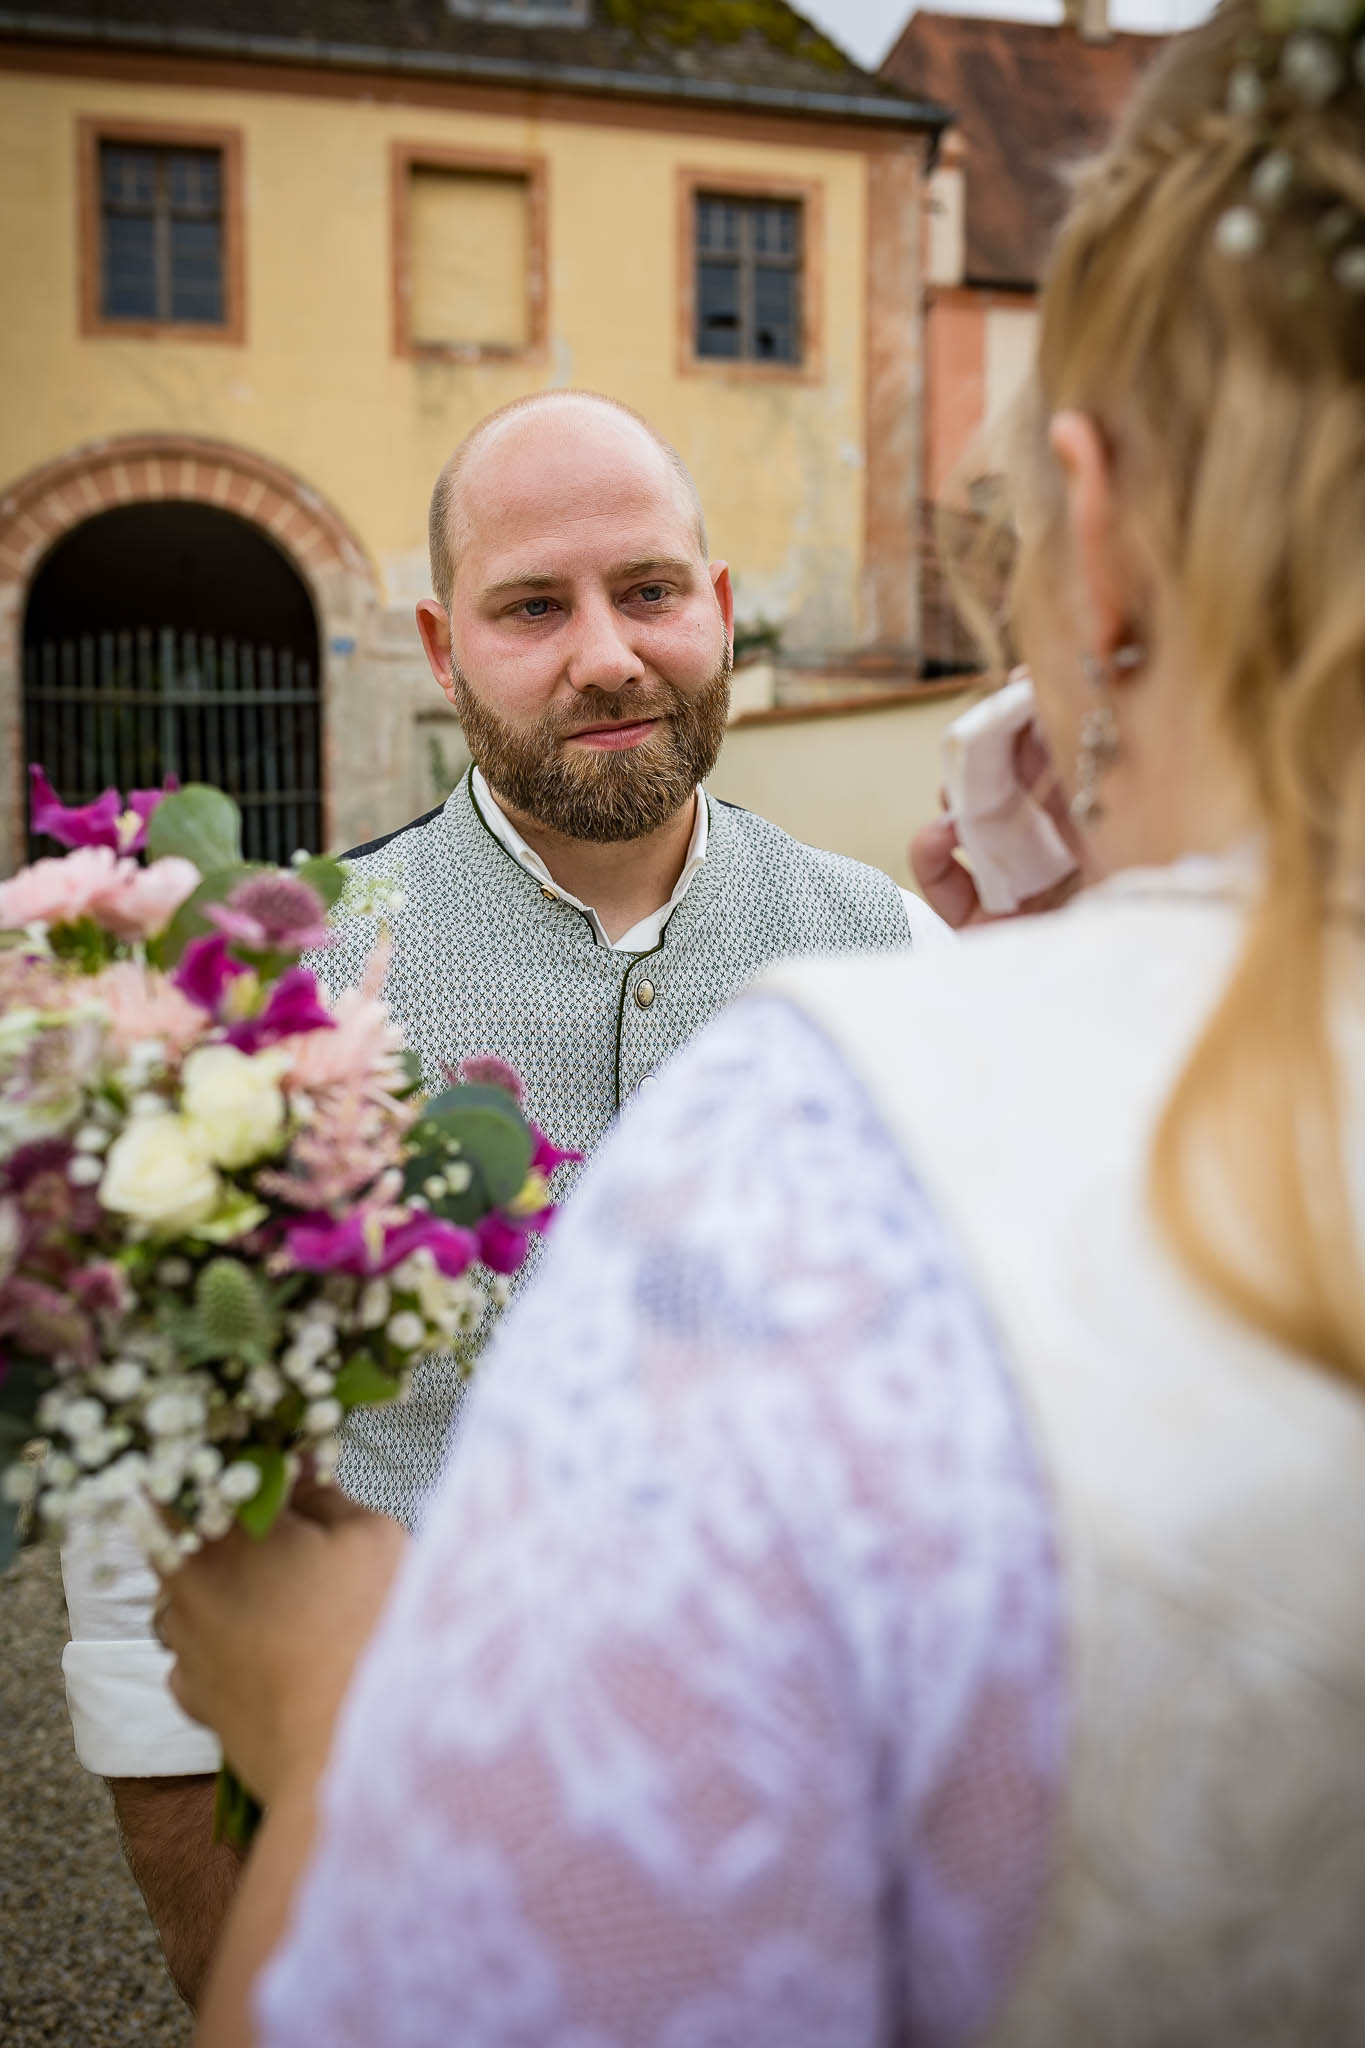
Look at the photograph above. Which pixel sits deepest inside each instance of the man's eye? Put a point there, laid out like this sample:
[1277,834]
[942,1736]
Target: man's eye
[651,592]
[537,607]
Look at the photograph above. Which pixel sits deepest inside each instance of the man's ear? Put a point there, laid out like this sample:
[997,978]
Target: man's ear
[1098,547]
[725,598]
[433,623]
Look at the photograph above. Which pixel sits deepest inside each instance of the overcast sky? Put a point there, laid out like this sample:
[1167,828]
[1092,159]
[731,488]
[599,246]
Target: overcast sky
[867,28]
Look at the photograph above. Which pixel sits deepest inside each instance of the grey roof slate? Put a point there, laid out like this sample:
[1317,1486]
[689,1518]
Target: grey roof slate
[624,46]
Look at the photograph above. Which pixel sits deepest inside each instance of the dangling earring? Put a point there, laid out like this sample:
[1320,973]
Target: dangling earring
[1100,732]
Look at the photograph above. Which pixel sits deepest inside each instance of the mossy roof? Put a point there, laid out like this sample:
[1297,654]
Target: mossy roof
[745,52]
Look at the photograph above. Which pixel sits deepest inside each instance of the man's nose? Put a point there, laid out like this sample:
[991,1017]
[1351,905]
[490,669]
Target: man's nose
[601,657]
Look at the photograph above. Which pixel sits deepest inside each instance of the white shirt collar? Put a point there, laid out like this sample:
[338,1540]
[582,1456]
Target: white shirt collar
[642,937]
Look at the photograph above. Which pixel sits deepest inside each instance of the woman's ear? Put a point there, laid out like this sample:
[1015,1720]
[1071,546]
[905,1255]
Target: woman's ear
[1098,550]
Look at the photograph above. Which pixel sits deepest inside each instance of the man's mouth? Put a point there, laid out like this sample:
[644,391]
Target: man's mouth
[616,737]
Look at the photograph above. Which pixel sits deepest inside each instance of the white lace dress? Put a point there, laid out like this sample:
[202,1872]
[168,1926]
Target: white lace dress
[721,1703]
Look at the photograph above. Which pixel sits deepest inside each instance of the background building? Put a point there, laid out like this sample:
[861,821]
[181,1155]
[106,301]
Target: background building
[1029,101]
[268,260]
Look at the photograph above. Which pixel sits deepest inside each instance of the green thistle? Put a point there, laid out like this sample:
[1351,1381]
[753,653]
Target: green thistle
[234,1317]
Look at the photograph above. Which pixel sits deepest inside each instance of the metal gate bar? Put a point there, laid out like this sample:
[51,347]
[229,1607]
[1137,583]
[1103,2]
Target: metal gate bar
[130,708]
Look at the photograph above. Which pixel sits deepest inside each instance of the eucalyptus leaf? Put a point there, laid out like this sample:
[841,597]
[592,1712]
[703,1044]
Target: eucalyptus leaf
[362,1383]
[258,1515]
[199,824]
[481,1129]
[325,875]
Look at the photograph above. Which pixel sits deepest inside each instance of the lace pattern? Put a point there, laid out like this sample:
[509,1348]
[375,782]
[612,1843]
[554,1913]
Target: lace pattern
[721,1704]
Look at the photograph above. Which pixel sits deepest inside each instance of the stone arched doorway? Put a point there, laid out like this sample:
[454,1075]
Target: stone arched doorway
[196,508]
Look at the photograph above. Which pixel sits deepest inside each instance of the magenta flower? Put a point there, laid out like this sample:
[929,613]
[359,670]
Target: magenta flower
[320,1245]
[293,1007]
[141,803]
[206,967]
[93,824]
[273,913]
[502,1242]
[547,1156]
[101,823]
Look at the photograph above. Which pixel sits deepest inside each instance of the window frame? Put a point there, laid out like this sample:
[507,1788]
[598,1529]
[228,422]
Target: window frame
[404,158]
[693,183]
[91,131]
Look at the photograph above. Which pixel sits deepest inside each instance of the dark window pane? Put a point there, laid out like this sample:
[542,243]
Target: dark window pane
[718,226]
[194,183]
[129,268]
[775,314]
[718,309]
[128,179]
[196,271]
[161,243]
[748,278]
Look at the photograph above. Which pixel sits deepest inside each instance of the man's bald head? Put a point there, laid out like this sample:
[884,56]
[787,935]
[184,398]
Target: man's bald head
[447,526]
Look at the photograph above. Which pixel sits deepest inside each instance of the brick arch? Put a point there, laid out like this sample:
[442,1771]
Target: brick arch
[40,508]
[137,469]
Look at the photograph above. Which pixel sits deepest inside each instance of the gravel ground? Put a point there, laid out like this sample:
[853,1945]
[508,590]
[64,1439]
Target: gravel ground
[79,1964]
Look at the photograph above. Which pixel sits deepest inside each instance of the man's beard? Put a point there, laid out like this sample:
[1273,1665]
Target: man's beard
[603,796]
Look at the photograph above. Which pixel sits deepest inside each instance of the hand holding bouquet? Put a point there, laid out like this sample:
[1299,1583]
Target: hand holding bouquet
[228,1215]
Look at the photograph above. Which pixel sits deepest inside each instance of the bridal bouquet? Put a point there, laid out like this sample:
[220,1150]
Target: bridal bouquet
[228,1215]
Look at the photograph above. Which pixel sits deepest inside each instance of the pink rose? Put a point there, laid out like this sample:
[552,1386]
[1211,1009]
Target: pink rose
[91,881]
[144,900]
[60,891]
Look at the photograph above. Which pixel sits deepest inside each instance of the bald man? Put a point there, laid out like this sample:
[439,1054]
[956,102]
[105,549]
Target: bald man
[578,906]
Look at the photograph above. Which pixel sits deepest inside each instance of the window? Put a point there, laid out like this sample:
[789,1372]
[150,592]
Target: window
[161,234]
[748,287]
[160,231]
[750,276]
[469,257]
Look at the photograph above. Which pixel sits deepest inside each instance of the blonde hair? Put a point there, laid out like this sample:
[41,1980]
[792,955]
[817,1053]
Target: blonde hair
[1231,389]
[443,532]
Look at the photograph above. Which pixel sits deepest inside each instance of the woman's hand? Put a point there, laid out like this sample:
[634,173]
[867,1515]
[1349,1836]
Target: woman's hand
[947,886]
[265,1635]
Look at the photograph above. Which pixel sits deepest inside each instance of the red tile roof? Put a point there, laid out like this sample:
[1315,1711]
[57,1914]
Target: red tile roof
[1030,100]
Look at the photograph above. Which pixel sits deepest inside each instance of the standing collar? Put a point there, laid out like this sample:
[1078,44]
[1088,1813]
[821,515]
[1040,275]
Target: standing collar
[642,937]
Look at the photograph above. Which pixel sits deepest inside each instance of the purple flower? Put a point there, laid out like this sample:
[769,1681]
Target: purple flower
[101,823]
[273,913]
[293,1007]
[320,1245]
[100,1288]
[46,1321]
[206,967]
[488,1071]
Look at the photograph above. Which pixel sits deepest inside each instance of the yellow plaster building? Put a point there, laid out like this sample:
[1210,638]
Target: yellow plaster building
[266,265]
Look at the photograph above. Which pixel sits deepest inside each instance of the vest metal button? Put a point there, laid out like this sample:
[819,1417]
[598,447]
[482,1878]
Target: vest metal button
[644,993]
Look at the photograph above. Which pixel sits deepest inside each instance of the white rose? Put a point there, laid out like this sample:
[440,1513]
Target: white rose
[158,1172]
[234,1101]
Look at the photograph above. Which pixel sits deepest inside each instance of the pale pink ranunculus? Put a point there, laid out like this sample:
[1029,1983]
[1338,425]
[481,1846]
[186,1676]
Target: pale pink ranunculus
[143,1004]
[142,901]
[60,891]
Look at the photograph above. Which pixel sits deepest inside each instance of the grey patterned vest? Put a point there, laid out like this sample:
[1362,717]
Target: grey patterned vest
[485,962]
